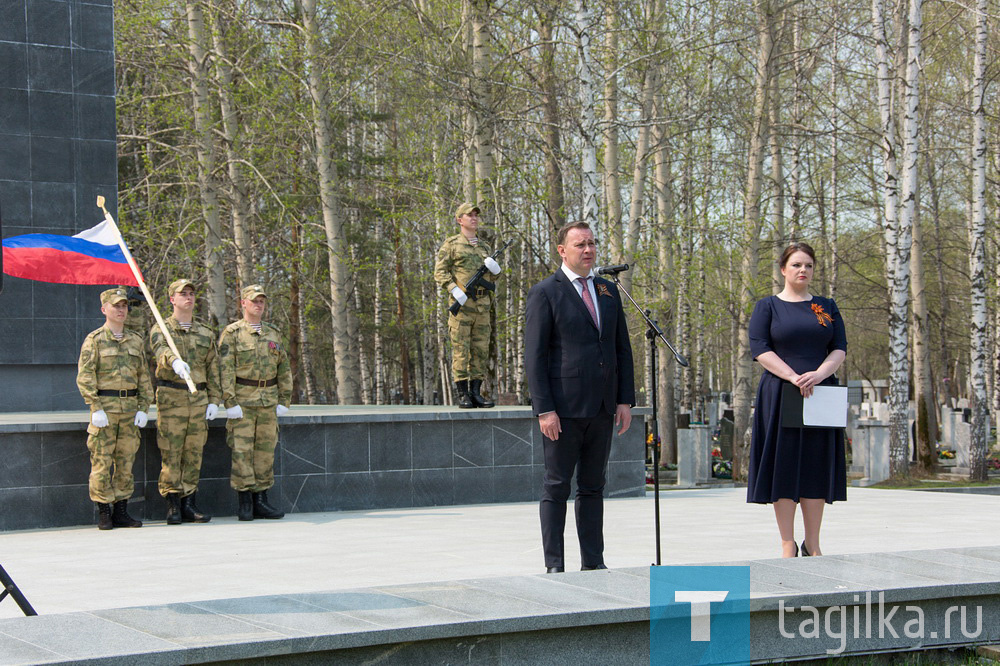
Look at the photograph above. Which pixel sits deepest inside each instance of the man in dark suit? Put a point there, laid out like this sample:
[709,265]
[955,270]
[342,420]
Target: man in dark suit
[579,364]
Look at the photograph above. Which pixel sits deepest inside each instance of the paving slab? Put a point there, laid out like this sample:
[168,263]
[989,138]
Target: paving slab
[84,569]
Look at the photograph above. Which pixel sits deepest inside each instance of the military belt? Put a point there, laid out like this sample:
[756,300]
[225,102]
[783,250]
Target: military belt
[481,292]
[259,383]
[118,393]
[177,385]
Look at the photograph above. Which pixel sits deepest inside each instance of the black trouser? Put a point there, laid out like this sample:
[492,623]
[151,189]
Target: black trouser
[584,445]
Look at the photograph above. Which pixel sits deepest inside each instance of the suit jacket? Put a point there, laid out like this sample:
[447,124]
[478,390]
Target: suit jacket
[574,369]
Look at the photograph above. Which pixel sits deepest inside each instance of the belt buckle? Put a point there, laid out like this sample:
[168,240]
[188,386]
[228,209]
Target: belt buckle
[261,383]
[123,393]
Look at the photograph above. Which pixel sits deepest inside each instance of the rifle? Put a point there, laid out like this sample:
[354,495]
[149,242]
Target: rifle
[477,280]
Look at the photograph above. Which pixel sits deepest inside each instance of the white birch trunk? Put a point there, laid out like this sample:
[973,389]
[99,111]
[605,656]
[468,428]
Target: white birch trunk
[584,24]
[895,280]
[612,181]
[978,342]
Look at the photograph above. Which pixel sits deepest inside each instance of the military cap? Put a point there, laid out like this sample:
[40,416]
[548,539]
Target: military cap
[178,285]
[466,207]
[252,292]
[112,296]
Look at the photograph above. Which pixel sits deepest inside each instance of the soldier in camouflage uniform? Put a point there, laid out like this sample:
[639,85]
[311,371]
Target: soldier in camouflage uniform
[256,389]
[182,416]
[458,259]
[113,379]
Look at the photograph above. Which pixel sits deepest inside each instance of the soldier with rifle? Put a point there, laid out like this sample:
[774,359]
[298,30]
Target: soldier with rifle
[460,269]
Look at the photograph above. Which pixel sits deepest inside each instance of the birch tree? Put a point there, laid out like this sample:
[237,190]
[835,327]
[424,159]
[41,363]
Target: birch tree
[977,258]
[198,67]
[344,339]
[766,14]
[584,27]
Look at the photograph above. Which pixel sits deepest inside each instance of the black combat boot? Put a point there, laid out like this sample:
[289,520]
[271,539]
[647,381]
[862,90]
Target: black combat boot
[103,516]
[245,512]
[120,517]
[474,386]
[173,509]
[261,509]
[462,395]
[190,512]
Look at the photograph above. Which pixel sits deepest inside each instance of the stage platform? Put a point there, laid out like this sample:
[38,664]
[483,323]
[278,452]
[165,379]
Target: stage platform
[329,458]
[462,584]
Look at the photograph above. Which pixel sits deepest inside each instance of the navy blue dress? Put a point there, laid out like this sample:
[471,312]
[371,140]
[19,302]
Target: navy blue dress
[794,462]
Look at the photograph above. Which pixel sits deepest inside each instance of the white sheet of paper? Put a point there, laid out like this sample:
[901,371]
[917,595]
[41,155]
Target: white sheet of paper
[827,407]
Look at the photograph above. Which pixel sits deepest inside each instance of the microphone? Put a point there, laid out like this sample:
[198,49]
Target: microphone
[611,270]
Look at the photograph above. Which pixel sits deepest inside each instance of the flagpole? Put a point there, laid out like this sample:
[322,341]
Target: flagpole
[145,290]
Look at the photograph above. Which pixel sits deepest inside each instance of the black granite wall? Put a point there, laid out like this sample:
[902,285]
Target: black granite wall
[325,462]
[57,153]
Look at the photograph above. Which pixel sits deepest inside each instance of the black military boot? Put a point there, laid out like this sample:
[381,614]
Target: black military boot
[261,509]
[462,395]
[190,512]
[474,386]
[173,509]
[245,512]
[103,516]
[120,517]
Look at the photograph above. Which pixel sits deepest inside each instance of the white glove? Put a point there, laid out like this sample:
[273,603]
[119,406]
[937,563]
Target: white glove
[182,369]
[281,410]
[141,419]
[459,295]
[211,412]
[492,265]
[234,412]
[99,418]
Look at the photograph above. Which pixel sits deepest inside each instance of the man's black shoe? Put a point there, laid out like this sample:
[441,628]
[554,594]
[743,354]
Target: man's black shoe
[598,567]
[554,569]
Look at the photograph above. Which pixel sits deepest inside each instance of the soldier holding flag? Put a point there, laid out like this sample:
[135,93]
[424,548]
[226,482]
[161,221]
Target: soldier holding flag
[182,416]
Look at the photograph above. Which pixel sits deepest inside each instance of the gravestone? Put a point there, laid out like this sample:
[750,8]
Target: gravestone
[694,456]
[57,154]
[726,438]
[871,451]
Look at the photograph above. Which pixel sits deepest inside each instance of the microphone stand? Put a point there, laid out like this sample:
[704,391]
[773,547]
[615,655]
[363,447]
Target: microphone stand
[653,333]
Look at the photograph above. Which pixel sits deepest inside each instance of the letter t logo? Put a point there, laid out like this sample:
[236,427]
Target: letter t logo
[701,613]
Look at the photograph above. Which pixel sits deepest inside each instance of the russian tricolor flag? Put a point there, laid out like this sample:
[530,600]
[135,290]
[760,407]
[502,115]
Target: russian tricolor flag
[90,257]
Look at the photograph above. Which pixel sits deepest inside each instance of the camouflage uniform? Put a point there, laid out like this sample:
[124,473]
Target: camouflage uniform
[119,365]
[457,260]
[181,428]
[259,357]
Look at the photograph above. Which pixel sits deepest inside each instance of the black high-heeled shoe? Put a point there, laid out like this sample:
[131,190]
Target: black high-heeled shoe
[805,551]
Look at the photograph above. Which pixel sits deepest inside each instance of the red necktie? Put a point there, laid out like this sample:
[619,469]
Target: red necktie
[588,301]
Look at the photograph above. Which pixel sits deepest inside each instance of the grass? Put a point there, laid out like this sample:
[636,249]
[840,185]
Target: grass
[915,483]
[963,656]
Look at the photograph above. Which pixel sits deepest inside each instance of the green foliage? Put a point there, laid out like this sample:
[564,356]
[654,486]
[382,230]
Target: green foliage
[400,98]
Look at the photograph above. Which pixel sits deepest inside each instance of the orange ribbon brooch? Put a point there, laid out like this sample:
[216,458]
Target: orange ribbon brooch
[602,290]
[821,314]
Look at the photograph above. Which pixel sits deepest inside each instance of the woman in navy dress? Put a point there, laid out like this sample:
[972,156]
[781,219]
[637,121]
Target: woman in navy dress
[797,338]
